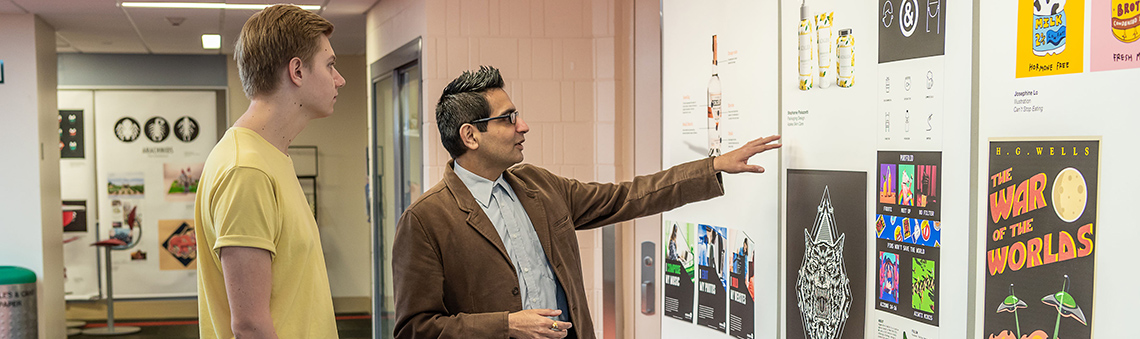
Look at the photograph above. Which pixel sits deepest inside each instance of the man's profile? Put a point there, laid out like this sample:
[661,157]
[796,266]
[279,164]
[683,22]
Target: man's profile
[261,270]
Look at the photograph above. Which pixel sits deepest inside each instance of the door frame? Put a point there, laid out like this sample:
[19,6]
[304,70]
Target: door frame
[386,69]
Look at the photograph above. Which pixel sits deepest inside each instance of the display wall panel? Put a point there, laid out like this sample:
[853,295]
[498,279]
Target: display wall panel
[726,249]
[1054,103]
[77,190]
[152,146]
[865,89]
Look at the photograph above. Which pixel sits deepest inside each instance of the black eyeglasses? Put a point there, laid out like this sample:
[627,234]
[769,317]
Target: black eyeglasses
[512,117]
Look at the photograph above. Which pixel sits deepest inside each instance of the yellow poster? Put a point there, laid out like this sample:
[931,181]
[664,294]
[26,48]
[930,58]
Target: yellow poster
[1050,37]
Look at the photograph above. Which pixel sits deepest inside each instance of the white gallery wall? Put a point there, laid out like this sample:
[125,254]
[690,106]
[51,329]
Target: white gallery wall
[990,145]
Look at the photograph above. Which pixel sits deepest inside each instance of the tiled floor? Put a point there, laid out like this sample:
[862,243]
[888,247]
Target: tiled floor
[349,327]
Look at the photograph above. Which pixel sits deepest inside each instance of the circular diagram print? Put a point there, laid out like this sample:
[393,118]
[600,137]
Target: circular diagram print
[157,129]
[186,129]
[127,129]
[1070,193]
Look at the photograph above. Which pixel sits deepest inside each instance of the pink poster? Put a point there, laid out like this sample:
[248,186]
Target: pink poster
[1115,34]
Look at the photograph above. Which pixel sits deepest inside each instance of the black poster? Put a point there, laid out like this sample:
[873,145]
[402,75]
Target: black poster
[908,232]
[741,292]
[910,29]
[826,254]
[71,134]
[1040,234]
[75,216]
[680,272]
[712,276]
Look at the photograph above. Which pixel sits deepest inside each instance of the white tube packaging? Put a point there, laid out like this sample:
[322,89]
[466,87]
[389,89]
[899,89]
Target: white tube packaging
[806,50]
[823,22]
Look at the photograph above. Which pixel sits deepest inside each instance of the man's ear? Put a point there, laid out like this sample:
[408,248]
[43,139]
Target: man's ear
[470,136]
[295,65]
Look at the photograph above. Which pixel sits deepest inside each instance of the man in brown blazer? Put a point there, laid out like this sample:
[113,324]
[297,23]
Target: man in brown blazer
[490,251]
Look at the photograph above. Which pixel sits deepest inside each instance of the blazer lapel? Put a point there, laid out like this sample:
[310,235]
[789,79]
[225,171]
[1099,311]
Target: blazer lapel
[475,216]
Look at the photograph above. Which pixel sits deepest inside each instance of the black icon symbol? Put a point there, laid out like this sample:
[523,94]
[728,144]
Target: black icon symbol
[127,129]
[908,17]
[157,129]
[186,129]
[929,126]
[929,79]
[906,83]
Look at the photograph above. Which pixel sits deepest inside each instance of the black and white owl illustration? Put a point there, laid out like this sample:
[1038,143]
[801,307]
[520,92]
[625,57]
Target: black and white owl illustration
[823,288]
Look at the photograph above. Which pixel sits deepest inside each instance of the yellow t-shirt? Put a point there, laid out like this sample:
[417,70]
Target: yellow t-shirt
[249,196]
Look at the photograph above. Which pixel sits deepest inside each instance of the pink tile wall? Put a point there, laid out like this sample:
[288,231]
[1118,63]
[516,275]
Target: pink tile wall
[557,57]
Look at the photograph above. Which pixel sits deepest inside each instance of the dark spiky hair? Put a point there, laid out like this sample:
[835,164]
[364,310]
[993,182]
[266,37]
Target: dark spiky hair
[464,100]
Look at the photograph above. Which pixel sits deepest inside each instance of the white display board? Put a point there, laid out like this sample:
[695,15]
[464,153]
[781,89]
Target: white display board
[152,146]
[728,288]
[1055,99]
[77,190]
[866,93]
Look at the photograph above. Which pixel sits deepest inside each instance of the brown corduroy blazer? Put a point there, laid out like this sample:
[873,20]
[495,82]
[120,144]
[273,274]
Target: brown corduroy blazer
[453,276]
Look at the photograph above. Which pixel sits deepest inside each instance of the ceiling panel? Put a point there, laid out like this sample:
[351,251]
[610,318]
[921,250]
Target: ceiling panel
[103,42]
[100,26]
[163,37]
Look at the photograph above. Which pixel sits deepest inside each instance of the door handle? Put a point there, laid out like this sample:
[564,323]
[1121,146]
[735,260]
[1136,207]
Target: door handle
[648,277]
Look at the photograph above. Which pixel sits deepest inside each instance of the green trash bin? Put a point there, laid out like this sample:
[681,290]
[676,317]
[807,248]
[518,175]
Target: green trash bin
[18,303]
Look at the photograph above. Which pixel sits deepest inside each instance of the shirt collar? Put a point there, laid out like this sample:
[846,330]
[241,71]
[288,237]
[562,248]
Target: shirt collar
[480,187]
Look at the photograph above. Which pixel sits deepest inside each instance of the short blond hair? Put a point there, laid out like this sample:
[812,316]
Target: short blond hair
[272,37]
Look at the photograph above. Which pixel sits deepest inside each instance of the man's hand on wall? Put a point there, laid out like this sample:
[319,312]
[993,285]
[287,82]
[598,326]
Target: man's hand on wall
[737,160]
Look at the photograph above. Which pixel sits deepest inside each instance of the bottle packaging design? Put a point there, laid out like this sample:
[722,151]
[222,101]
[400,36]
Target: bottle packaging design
[714,102]
[823,33]
[806,49]
[845,58]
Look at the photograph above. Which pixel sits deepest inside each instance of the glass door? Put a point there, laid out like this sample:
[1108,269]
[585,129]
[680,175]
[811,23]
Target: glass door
[396,167]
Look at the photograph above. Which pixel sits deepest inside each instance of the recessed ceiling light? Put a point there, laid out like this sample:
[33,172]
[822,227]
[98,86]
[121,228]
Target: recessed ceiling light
[206,5]
[211,41]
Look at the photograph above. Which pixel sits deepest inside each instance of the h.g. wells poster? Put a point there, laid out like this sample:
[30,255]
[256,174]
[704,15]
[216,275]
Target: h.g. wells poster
[1041,230]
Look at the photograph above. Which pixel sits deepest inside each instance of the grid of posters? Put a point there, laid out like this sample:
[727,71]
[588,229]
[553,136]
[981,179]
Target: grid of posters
[908,232]
[1041,231]
[709,277]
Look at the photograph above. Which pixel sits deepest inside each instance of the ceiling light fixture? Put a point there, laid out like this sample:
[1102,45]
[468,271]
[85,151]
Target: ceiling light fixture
[211,41]
[205,5]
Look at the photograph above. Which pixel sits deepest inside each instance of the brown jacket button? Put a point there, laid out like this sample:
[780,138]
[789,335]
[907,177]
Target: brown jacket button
[515,291]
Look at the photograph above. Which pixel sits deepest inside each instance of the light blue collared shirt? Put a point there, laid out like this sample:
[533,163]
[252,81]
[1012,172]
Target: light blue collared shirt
[540,289]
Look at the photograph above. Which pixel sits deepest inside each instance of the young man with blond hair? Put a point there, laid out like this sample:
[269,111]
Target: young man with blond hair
[261,271]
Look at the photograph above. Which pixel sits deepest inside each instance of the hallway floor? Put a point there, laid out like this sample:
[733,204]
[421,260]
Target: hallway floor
[348,326]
